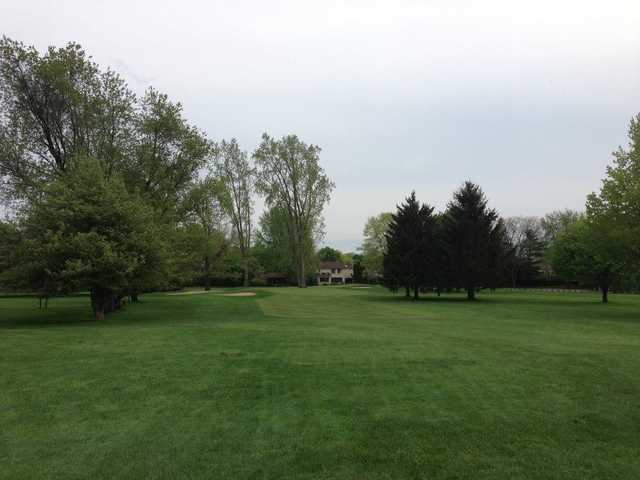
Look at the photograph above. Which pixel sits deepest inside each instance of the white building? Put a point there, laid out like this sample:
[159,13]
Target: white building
[334,273]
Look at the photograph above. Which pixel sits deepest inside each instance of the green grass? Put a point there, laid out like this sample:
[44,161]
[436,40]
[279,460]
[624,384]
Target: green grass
[326,382]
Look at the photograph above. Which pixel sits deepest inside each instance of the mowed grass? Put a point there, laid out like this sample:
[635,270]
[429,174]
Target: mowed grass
[326,382]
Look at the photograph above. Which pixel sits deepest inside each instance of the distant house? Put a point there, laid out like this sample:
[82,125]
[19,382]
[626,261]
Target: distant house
[334,273]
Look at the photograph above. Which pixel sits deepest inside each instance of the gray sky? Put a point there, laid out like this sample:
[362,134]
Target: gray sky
[526,98]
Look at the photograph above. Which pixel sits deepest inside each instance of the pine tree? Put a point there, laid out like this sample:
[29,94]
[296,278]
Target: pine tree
[410,247]
[468,225]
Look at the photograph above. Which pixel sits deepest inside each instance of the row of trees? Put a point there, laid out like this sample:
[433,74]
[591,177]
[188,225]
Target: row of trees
[119,194]
[469,246]
[463,247]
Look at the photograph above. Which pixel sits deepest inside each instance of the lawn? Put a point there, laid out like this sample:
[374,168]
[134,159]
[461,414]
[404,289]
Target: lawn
[326,382]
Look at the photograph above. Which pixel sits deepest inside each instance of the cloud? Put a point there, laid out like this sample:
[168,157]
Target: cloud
[526,98]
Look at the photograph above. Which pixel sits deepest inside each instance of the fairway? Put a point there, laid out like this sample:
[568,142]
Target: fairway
[320,383]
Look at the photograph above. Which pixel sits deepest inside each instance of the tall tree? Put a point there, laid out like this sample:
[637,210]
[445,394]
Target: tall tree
[167,154]
[616,208]
[56,109]
[238,178]
[555,222]
[273,244]
[410,248]
[468,224]
[290,176]
[204,221]
[375,242]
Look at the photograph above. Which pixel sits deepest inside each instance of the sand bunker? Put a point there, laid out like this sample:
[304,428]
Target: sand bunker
[193,292]
[360,287]
[239,294]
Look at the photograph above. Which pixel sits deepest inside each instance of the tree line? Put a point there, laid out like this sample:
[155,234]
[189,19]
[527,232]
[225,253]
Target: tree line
[119,194]
[468,246]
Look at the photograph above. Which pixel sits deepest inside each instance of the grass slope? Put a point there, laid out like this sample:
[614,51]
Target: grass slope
[322,383]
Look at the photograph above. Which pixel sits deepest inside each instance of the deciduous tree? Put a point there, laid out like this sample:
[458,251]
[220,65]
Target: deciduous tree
[237,178]
[291,178]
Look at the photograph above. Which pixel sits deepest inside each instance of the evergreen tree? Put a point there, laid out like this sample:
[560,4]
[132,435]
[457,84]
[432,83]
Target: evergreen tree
[410,248]
[468,224]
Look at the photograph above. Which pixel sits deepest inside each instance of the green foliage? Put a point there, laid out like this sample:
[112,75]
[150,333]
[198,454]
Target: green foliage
[237,185]
[291,178]
[616,208]
[87,231]
[166,155]
[468,224]
[410,251]
[375,242]
[204,225]
[273,248]
[58,108]
[554,223]
[590,253]
[328,254]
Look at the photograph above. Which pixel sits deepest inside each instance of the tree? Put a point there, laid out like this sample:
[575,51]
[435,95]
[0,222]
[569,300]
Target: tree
[468,224]
[524,235]
[410,247]
[167,154]
[273,244]
[501,255]
[291,178]
[237,181]
[616,208]
[554,223]
[203,221]
[588,253]
[375,242]
[87,231]
[359,272]
[328,254]
[56,109]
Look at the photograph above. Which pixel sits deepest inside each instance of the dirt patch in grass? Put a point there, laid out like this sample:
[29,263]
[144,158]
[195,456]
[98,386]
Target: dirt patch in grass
[193,292]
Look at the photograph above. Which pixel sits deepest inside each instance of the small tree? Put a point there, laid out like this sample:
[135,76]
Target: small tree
[375,242]
[87,231]
[589,253]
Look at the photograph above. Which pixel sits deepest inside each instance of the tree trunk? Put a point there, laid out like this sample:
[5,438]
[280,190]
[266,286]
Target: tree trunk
[302,281]
[605,294]
[245,279]
[99,298]
[416,292]
[207,269]
[471,293]
[134,297]
[407,292]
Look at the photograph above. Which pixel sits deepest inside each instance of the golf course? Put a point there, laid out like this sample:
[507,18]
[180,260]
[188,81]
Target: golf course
[322,382]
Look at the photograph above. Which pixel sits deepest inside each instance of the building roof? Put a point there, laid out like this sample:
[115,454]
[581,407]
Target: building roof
[332,265]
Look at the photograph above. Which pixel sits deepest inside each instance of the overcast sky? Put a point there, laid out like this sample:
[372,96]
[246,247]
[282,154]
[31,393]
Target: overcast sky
[526,98]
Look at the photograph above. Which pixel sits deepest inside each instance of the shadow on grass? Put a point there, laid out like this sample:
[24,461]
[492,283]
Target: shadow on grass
[493,298]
